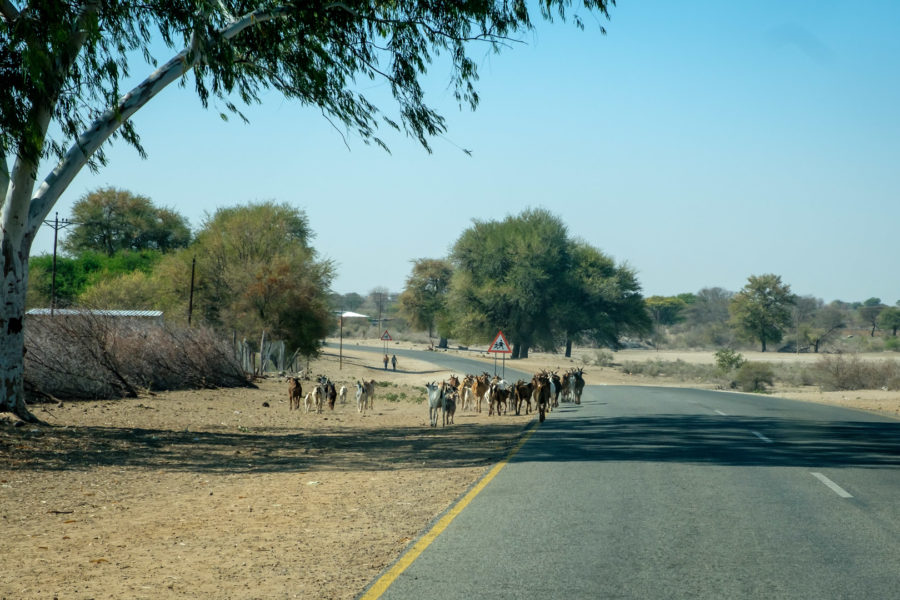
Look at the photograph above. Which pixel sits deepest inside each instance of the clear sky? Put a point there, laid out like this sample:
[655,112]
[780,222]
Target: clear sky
[700,142]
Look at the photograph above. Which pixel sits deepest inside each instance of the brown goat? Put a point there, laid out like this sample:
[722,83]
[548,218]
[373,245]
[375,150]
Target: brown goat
[295,392]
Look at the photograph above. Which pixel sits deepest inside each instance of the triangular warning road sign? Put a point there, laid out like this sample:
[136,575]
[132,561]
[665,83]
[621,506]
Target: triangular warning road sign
[500,345]
[386,336]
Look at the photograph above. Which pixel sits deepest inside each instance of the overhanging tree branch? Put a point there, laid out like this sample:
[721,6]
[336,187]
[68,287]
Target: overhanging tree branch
[113,118]
[9,12]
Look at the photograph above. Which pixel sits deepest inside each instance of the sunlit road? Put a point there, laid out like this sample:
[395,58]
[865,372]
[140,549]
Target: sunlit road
[671,493]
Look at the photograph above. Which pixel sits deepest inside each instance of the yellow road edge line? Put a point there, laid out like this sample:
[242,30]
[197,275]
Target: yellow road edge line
[385,581]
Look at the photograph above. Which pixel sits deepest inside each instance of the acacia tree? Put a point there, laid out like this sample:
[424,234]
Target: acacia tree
[602,302]
[505,277]
[424,300]
[869,312]
[109,220]
[889,319]
[665,310]
[762,309]
[827,323]
[61,64]
[526,277]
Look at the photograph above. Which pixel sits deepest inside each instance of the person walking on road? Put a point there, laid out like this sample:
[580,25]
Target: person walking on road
[385,362]
[394,361]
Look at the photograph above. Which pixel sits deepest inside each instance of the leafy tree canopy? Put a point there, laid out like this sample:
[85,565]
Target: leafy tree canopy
[606,299]
[666,310]
[76,275]
[762,309]
[110,220]
[526,277]
[423,301]
[869,312]
[889,319]
[256,270]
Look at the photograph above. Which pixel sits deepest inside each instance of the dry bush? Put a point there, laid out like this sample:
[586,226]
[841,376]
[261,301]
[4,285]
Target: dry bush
[839,373]
[754,376]
[677,369]
[92,356]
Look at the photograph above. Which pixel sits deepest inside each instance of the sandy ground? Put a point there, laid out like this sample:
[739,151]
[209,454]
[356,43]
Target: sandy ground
[229,494]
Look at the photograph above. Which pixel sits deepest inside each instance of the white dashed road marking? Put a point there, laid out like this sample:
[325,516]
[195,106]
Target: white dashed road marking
[761,436]
[832,485]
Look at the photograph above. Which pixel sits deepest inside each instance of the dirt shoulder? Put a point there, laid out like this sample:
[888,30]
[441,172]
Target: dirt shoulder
[228,493]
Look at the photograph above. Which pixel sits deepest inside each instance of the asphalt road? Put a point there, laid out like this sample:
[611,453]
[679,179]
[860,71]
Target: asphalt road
[672,493]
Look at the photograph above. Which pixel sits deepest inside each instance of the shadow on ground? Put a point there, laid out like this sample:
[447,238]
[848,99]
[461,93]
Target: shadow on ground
[267,450]
[718,441]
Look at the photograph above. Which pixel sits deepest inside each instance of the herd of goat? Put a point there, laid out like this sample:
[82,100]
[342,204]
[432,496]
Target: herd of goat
[545,390]
[325,392]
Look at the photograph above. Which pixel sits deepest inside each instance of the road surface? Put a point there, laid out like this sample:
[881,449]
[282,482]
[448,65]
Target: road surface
[646,492]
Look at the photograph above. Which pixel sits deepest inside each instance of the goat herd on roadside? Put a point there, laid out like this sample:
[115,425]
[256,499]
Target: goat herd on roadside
[325,392]
[546,389]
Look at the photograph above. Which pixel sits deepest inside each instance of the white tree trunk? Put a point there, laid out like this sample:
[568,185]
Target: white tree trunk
[22,211]
[12,332]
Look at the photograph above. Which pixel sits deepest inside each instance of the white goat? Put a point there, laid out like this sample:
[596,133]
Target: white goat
[435,401]
[467,402]
[342,394]
[315,399]
[362,397]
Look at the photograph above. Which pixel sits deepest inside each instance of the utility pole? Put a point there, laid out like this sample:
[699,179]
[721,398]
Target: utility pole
[191,300]
[56,224]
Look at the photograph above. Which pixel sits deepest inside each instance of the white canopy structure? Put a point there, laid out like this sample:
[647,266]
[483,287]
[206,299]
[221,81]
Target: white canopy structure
[348,314]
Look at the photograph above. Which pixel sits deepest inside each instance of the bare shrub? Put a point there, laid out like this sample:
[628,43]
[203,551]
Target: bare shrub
[602,358]
[839,373]
[89,355]
[671,368]
[755,376]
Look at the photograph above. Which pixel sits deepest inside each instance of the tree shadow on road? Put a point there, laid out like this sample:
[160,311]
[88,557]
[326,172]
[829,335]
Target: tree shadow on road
[742,441]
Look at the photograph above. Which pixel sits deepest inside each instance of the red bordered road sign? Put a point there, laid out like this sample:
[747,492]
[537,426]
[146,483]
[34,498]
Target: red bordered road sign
[500,345]
[386,336]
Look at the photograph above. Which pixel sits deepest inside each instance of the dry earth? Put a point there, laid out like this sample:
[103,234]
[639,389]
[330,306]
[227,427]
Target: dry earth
[228,494]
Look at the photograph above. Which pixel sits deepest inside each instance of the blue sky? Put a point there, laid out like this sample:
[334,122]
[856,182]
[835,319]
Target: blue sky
[699,142]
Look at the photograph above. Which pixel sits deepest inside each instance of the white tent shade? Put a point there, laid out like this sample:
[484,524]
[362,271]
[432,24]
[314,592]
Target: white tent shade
[353,314]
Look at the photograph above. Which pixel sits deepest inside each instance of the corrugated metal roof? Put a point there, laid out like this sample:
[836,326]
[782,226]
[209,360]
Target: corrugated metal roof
[102,313]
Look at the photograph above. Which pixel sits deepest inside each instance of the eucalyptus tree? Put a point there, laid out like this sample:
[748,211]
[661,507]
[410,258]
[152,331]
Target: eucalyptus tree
[62,65]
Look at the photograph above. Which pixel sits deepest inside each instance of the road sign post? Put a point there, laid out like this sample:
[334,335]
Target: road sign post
[500,346]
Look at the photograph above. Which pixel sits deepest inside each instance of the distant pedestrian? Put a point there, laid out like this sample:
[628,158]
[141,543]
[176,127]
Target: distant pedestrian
[394,361]
[385,362]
